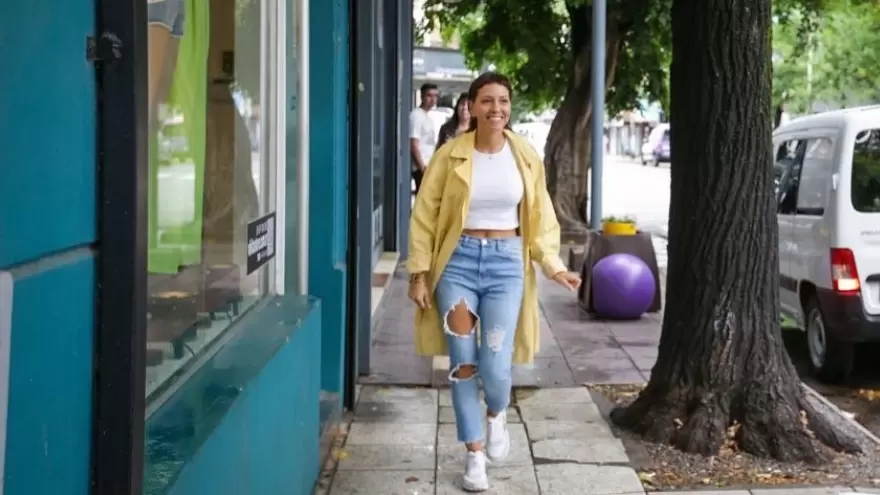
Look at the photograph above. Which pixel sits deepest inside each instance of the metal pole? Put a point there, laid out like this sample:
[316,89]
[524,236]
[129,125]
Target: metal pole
[302,147]
[598,147]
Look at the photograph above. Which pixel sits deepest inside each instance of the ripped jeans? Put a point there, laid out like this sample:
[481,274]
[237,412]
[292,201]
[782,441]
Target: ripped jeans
[487,276]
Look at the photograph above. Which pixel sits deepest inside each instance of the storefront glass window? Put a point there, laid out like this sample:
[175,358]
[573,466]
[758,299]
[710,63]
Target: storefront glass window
[211,233]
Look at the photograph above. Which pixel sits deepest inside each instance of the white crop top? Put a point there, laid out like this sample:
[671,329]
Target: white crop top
[496,191]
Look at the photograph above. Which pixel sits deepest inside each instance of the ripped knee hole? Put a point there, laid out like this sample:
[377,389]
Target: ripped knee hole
[461,320]
[463,372]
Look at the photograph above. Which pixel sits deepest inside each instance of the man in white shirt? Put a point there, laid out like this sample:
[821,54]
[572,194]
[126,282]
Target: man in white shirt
[423,132]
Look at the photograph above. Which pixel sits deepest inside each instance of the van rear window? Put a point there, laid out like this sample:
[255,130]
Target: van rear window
[865,189]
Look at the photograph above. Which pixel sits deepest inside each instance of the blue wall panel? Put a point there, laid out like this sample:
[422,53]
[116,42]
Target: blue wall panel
[50,392]
[328,193]
[247,422]
[48,199]
[47,128]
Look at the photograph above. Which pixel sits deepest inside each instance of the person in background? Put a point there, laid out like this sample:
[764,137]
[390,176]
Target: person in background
[482,218]
[458,123]
[423,132]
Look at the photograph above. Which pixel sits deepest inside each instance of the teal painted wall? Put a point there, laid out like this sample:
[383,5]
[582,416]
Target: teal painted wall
[247,422]
[328,175]
[48,200]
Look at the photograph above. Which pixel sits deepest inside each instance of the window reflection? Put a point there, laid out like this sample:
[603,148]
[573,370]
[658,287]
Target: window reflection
[865,188]
[207,178]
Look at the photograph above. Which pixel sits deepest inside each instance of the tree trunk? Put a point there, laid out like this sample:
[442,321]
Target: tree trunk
[567,151]
[722,365]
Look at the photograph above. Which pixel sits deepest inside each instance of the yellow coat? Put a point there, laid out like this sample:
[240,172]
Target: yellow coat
[436,224]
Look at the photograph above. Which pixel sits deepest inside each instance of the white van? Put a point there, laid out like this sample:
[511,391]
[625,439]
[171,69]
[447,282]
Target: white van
[828,209]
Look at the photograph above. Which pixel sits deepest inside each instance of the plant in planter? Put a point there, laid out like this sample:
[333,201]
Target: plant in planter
[614,225]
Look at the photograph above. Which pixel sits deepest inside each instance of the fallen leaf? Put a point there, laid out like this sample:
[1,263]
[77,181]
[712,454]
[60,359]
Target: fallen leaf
[412,479]
[340,455]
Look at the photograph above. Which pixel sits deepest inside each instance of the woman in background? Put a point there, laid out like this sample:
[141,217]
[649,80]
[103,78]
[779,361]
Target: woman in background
[458,123]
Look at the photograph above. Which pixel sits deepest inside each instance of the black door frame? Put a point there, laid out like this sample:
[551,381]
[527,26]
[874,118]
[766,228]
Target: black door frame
[119,51]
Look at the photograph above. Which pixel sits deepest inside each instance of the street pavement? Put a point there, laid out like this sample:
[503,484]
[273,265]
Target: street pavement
[629,188]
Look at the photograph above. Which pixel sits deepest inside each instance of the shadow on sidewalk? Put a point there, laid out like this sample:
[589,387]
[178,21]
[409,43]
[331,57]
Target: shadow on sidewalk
[575,347]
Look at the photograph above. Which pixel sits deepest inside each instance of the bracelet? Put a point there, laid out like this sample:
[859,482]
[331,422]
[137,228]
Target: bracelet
[416,277]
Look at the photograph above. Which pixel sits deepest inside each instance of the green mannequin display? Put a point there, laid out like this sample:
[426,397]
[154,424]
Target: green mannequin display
[177,138]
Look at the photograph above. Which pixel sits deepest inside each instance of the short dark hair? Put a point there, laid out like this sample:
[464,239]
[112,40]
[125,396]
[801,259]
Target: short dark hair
[427,87]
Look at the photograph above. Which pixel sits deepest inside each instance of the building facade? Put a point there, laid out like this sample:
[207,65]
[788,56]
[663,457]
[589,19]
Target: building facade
[194,199]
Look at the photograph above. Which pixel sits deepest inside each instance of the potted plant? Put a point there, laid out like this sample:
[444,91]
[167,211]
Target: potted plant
[624,225]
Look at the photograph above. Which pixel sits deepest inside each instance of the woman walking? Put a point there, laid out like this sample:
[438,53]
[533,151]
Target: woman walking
[458,124]
[482,217]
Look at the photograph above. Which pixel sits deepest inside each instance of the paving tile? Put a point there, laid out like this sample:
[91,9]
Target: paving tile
[548,396]
[370,433]
[867,490]
[827,490]
[641,350]
[597,451]
[450,452]
[586,371]
[553,430]
[609,362]
[578,442]
[584,413]
[544,372]
[394,457]
[585,349]
[709,492]
[410,395]
[447,414]
[549,349]
[643,338]
[398,365]
[400,405]
[578,330]
[645,363]
[384,482]
[568,479]
[509,481]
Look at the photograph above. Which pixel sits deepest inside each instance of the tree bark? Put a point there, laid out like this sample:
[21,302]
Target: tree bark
[567,151]
[722,366]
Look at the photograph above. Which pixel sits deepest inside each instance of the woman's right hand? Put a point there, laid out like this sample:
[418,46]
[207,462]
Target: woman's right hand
[418,292]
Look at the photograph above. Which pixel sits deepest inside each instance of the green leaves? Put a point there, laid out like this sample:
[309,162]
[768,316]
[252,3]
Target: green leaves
[832,59]
[535,43]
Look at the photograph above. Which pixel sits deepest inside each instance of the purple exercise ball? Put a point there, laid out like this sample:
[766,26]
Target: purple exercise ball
[623,287]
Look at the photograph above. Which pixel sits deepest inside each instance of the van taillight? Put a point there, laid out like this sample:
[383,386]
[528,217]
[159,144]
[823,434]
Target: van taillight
[844,276]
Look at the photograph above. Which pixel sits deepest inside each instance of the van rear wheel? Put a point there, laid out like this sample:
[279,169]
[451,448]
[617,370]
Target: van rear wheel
[831,361]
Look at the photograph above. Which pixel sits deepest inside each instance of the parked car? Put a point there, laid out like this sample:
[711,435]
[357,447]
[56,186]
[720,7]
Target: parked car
[828,210]
[656,149]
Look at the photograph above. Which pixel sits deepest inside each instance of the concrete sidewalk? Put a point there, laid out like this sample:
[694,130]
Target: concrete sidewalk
[403,441]
[575,348]
[401,438]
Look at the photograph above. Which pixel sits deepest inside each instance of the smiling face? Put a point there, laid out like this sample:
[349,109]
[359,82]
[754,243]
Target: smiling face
[491,107]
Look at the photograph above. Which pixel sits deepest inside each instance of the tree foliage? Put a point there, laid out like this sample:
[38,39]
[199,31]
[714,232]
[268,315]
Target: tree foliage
[545,49]
[535,44]
[833,64]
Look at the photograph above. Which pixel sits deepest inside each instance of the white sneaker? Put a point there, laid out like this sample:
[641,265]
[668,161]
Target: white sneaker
[498,438]
[474,478]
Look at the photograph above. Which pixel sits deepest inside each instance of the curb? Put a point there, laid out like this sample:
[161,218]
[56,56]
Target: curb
[830,405]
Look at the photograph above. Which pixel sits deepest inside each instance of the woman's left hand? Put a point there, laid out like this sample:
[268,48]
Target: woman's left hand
[569,280]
